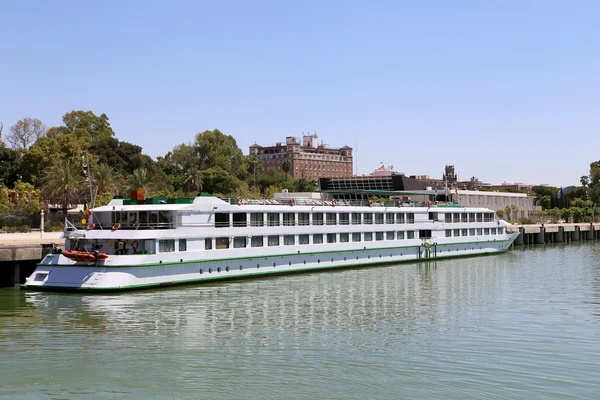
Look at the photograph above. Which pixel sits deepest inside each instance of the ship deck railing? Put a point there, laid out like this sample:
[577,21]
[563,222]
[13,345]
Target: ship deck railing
[338,202]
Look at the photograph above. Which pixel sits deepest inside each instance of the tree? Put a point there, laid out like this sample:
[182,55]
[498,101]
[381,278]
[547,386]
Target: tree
[63,183]
[193,181]
[285,167]
[141,179]
[555,213]
[584,179]
[545,202]
[500,214]
[25,132]
[97,127]
[10,162]
[105,180]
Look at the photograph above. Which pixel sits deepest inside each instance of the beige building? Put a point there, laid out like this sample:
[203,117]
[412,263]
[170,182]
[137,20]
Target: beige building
[498,201]
[308,159]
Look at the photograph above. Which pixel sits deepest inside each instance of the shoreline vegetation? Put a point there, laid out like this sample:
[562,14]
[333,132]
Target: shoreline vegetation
[41,166]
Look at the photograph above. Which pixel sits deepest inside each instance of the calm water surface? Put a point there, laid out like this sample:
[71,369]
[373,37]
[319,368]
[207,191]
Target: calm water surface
[521,325]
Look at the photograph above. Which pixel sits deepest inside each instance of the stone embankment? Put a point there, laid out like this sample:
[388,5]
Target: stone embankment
[19,253]
[555,233]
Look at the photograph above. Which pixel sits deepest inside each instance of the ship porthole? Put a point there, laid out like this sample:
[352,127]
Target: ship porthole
[273,265]
[227,269]
[290,263]
[369,257]
[210,270]
[332,260]
[218,269]
[380,256]
[390,254]
[304,262]
[344,258]
[240,267]
[319,261]
[257,266]
[357,257]
[200,271]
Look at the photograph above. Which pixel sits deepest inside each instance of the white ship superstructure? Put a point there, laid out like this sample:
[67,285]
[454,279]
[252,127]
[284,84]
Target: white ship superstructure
[130,245]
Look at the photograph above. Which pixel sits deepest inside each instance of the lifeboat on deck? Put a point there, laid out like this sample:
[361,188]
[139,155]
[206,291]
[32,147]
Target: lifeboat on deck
[84,256]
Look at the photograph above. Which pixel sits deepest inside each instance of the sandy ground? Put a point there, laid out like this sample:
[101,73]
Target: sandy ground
[31,238]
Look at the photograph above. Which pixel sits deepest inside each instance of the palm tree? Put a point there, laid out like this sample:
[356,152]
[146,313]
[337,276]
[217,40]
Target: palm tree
[141,179]
[193,181]
[285,167]
[105,179]
[63,183]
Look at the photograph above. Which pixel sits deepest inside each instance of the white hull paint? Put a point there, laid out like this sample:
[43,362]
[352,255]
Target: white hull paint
[146,271]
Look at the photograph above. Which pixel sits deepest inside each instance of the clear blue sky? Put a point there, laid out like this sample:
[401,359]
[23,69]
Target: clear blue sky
[504,90]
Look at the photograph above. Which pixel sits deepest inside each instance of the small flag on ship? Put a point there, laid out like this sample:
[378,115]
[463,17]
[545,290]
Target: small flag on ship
[86,210]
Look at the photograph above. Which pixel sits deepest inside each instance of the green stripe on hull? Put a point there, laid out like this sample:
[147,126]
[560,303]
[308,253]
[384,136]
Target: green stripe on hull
[261,274]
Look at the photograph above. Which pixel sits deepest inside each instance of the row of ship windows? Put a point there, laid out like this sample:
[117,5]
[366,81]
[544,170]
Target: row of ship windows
[474,232]
[168,245]
[468,217]
[225,220]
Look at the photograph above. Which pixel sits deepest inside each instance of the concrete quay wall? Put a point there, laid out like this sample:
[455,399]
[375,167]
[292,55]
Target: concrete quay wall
[555,233]
[20,252]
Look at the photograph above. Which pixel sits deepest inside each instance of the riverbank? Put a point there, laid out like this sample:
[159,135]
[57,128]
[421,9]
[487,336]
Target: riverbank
[555,233]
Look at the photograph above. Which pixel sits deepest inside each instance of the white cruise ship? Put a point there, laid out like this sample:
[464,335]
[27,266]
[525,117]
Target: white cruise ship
[142,244]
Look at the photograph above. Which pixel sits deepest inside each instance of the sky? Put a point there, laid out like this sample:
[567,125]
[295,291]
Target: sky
[503,90]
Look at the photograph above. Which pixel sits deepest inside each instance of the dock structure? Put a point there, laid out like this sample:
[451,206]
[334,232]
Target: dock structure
[555,233]
[20,252]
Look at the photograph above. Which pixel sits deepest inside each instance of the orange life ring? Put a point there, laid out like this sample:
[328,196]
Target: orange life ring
[116,226]
[370,203]
[333,203]
[292,202]
[239,201]
[91,226]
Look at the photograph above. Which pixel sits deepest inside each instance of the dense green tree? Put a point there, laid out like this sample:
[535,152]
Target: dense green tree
[545,202]
[25,132]
[63,183]
[105,180]
[124,157]
[193,180]
[306,185]
[10,162]
[215,149]
[285,167]
[97,127]
[141,179]
[217,180]
[500,214]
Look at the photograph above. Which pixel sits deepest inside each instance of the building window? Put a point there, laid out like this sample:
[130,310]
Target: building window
[303,239]
[166,246]
[356,237]
[486,231]
[239,219]
[493,231]
[239,242]
[500,231]
[400,218]
[368,236]
[400,235]
[463,218]
[257,219]
[378,235]
[289,240]
[182,244]
[273,219]
[208,244]
[379,218]
[448,218]
[222,243]
[471,217]
[410,234]
[318,219]
[472,232]
[457,232]
[222,220]
[448,232]
[273,240]
[479,231]
[455,218]
[356,219]
[464,232]
[344,237]
[410,218]
[317,238]
[303,219]
[331,219]
[331,238]
[256,241]
[344,219]
[390,218]
[389,236]
[368,218]
[289,219]
[479,217]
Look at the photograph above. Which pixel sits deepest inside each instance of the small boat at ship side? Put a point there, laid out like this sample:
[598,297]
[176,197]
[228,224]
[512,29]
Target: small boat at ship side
[134,244]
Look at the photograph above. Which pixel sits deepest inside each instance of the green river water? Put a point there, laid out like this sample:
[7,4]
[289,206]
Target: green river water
[520,325]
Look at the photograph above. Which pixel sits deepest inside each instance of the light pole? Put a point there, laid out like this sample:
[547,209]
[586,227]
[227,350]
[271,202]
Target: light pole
[89,177]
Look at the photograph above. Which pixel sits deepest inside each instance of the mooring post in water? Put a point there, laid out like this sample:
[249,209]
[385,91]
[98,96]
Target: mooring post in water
[16,274]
